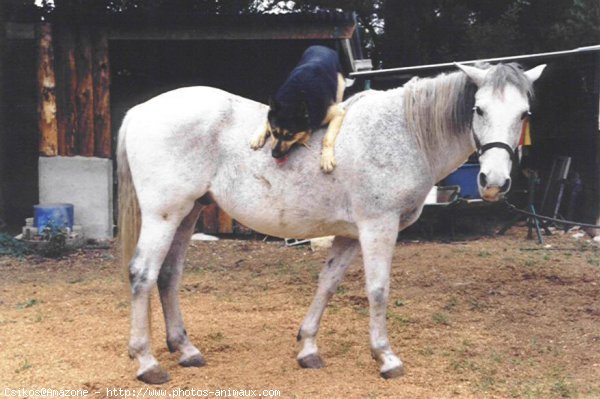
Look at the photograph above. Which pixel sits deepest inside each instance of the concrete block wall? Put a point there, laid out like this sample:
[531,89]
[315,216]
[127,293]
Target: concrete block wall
[85,182]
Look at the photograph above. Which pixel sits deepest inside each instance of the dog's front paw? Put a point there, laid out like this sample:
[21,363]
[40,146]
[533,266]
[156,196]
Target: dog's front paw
[327,161]
[258,142]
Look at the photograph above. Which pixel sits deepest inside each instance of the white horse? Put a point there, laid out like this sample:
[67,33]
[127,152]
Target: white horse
[185,148]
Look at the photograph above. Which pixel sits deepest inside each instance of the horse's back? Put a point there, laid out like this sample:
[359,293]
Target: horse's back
[191,105]
[175,138]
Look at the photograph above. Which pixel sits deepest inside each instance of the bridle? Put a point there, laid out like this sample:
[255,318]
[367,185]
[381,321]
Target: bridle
[481,148]
[495,144]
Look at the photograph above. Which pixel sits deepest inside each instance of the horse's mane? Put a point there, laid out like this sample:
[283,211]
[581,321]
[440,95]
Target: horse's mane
[441,105]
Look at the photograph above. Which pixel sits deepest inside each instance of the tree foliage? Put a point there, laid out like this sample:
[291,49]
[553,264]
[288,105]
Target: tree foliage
[394,32]
[430,31]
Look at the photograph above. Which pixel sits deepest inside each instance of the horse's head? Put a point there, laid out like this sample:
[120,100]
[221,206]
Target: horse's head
[501,106]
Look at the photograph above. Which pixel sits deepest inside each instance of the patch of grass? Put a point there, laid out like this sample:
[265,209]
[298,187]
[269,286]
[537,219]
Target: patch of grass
[399,303]
[363,311]
[495,358]
[314,274]
[474,304]
[452,303]
[562,389]
[341,290]
[486,382]
[216,336]
[25,365]
[484,254]
[343,347]
[531,390]
[27,304]
[283,268]
[426,351]
[593,261]
[333,308]
[461,365]
[399,319]
[441,318]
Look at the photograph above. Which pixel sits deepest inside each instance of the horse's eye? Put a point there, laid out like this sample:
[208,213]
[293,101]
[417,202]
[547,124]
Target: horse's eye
[525,114]
[478,110]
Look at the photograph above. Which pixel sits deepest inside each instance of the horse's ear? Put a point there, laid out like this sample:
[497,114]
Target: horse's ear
[534,73]
[475,74]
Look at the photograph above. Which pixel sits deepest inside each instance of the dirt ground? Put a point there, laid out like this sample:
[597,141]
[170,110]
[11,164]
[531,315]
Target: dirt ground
[489,318]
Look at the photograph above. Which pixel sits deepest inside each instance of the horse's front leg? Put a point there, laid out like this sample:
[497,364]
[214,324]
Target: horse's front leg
[168,287]
[377,240]
[341,254]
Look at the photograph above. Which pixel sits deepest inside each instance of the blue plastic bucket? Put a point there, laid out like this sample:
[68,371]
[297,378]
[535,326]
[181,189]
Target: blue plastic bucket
[53,215]
[466,178]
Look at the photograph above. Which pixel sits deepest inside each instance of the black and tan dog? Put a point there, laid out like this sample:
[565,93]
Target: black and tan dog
[308,99]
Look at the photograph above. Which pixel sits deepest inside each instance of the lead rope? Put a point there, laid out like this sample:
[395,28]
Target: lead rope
[513,208]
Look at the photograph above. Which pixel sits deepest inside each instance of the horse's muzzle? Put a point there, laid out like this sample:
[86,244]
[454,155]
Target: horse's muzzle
[492,192]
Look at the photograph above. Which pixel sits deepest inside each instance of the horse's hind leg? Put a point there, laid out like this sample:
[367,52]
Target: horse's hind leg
[155,239]
[377,240]
[342,253]
[168,287]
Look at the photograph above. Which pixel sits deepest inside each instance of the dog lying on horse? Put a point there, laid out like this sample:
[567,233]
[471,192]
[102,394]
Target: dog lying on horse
[309,98]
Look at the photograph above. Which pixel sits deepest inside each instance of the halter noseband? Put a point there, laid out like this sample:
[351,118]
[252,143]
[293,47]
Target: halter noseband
[496,144]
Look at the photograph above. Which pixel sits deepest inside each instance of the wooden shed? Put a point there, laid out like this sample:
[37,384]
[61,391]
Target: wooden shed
[67,81]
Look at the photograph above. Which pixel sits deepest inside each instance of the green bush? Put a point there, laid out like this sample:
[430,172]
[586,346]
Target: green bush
[9,246]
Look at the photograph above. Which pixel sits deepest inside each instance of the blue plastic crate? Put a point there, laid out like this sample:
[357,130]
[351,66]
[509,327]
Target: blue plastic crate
[55,215]
[466,178]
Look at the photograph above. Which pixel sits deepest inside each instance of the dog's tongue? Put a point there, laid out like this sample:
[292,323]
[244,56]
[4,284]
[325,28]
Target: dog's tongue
[281,161]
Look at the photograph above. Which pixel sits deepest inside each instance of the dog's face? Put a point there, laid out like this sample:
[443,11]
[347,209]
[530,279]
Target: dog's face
[289,125]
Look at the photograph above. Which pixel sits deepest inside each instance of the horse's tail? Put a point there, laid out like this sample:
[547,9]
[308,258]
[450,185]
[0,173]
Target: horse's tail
[129,210]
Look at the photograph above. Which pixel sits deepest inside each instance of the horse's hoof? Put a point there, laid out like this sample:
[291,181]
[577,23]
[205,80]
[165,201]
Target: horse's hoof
[194,361]
[393,373]
[154,375]
[313,361]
